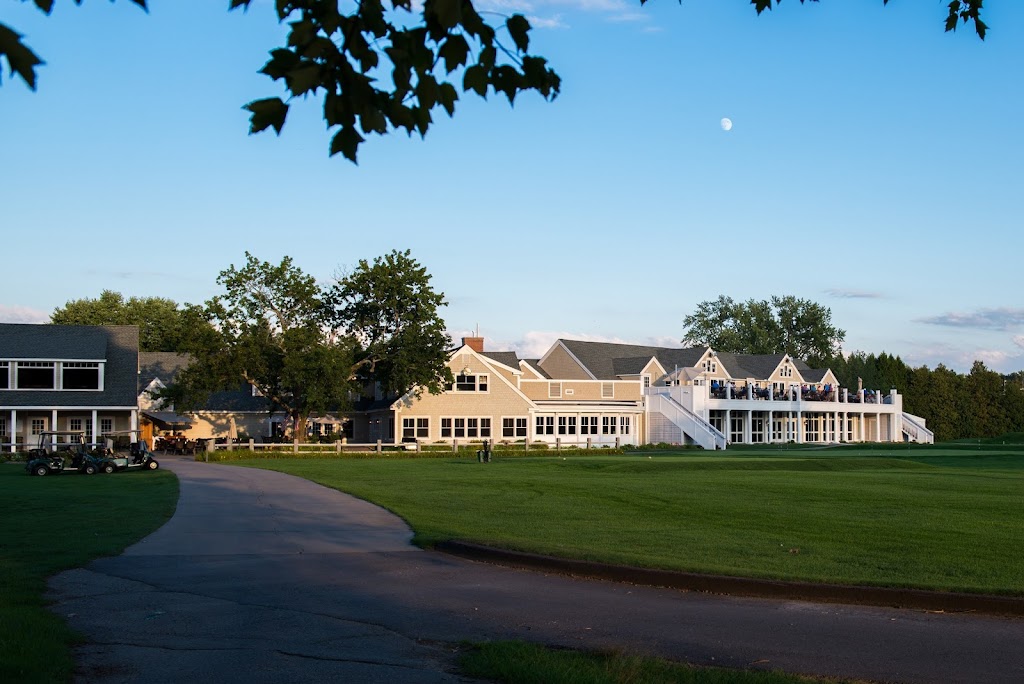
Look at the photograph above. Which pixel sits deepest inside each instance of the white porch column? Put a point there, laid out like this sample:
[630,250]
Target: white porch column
[878,427]
[12,430]
[770,427]
[53,421]
[134,420]
[727,425]
[862,435]
[799,427]
[95,427]
[748,425]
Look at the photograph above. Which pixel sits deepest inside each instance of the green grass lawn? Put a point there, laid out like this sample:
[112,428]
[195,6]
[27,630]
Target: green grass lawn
[514,662]
[936,518]
[52,524]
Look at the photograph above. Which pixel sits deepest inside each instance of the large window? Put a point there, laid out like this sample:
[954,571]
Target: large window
[38,425]
[80,375]
[736,428]
[545,425]
[624,425]
[5,374]
[567,425]
[514,427]
[471,428]
[106,425]
[608,425]
[415,428]
[470,383]
[3,428]
[36,375]
[588,425]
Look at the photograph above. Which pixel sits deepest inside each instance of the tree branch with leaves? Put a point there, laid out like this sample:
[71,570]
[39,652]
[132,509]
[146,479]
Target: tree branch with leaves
[383,67]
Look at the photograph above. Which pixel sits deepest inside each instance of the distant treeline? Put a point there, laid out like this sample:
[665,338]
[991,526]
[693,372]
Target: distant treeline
[982,403]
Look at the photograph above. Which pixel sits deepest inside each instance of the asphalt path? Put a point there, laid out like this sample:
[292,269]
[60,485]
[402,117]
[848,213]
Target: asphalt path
[264,577]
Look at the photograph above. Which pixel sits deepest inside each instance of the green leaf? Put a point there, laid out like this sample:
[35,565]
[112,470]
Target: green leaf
[281,62]
[519,28]
[454,51]
[448,96]
[304,78]
[21,59]
[347,142]
[475,79]
[447,13]
[266,113]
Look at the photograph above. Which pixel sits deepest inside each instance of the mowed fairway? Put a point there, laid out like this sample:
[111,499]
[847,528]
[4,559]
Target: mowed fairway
[936,518]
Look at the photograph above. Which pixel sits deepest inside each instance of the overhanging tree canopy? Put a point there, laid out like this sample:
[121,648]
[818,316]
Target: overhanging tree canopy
[383,66]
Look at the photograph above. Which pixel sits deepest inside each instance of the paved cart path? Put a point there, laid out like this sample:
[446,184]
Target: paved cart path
[264,577]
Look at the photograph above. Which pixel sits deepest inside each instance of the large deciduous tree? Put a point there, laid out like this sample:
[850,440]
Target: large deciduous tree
[386,66]
[390,311]
[305,347]
[163,325]
[789,325]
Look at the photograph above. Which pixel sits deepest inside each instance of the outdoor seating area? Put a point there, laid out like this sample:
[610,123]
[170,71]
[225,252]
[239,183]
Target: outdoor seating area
[180,445]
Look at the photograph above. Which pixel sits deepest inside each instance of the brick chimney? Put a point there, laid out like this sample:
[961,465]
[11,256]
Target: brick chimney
[475,343]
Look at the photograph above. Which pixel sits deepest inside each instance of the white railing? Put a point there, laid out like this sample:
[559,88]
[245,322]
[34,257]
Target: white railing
[916,431]
[699,430]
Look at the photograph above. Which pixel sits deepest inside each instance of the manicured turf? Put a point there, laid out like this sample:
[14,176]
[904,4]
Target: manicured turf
[513,662]
[52,524]
[946,519]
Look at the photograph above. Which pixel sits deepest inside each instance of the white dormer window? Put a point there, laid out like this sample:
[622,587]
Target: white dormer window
[710,366]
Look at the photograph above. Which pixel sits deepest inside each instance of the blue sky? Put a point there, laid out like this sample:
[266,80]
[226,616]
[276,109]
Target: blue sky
[875,166]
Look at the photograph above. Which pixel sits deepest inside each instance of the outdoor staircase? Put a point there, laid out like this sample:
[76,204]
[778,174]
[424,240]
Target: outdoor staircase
[670,421]
[915,431]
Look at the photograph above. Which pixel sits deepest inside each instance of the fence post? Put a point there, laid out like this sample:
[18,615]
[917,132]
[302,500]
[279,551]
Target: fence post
[337,446]
[618,443]
[589,441]
[341,445]
[455,445]
[417,446]
[526,444]
[295,446]
[252,444]
[558,443]
[378,446]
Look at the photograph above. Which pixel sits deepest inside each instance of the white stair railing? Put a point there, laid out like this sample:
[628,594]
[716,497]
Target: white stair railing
[915,431]
[702,432]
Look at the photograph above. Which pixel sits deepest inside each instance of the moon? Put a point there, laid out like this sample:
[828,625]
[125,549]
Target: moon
[726,124]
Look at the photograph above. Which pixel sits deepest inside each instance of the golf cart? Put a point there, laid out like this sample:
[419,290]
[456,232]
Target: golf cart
[54,455]
[128,451]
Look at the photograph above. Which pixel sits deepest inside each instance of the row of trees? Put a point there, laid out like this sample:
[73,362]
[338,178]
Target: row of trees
[306,347]
[982,403]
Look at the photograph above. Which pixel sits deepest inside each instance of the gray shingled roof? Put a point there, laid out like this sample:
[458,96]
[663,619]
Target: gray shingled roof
[813,374]
[118,345]
[162,365]
[167,365]
[535,365]
[34,341]
[508,358]
[630,366]
[599,357]
[757,366]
